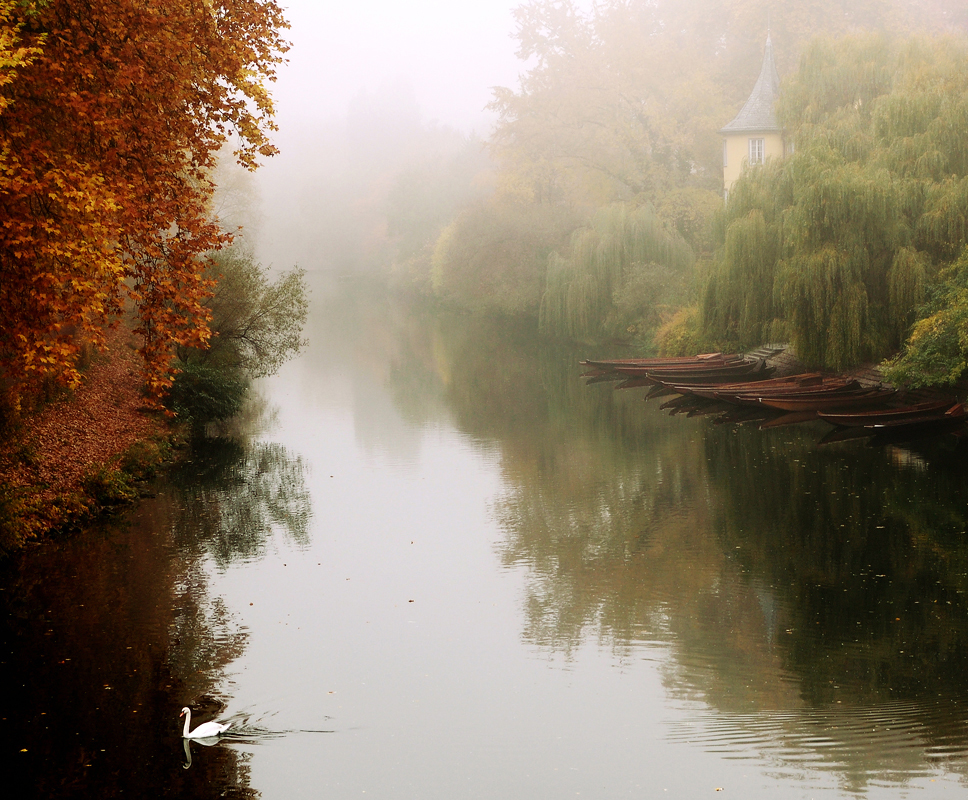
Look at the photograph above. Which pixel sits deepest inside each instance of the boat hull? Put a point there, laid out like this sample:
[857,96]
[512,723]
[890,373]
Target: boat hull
[908,414]
[873,397]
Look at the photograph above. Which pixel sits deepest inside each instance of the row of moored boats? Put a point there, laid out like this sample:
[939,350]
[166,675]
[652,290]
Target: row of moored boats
[744,388]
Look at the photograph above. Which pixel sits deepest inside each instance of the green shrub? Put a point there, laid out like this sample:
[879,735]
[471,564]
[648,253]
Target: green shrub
[142,459]
[204,393]
[256,326]
[936,353]
[13,529]
[109,486]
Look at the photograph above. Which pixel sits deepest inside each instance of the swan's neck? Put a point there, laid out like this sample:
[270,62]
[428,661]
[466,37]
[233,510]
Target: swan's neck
[188,722]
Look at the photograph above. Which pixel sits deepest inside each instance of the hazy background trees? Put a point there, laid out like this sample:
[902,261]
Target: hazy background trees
[616,116]
[366,192]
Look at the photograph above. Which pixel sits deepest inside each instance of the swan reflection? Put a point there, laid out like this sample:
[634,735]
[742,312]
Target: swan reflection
[187,744]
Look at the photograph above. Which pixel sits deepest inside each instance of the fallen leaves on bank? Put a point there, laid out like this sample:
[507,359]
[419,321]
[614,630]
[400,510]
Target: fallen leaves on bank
[68,460]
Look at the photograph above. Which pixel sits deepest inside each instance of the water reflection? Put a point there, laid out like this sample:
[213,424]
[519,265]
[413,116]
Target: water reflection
[233,495]
[93,680]
[868,746]
[867,561]
[116,629]
[813,598]
[683,589]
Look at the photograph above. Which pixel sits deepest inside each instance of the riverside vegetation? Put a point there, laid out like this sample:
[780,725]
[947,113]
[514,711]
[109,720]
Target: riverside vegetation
[122,295]
[86,450]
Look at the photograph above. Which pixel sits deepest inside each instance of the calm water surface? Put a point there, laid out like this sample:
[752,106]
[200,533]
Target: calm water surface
[431,563]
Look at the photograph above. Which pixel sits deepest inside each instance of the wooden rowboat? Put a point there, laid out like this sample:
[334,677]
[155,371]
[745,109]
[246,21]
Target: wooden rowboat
[759,383]
[908,431]
[715,372]
[599,369]
[833,388]
[909,414]
[662,385]
[902,430]
[822,402]
[956,414]
[803,379]
[661,382]
[748,393]
[705,358]
[708,382]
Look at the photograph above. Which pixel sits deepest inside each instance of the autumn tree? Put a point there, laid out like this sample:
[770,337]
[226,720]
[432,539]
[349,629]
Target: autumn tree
[110,134]
[13,54]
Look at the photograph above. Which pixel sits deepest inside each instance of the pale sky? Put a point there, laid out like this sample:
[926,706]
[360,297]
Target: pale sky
[450,52]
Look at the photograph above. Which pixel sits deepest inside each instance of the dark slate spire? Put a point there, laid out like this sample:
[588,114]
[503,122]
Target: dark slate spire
[757,114]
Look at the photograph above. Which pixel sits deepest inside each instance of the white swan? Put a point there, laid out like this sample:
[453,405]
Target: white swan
[207,730]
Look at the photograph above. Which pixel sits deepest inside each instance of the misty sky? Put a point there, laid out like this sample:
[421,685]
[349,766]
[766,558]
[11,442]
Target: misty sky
[450,52]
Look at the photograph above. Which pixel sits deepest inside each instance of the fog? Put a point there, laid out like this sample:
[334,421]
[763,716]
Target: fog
[450,54]
[382,102]
[371,89]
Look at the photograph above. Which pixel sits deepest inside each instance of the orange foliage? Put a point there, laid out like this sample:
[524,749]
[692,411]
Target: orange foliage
[108,135]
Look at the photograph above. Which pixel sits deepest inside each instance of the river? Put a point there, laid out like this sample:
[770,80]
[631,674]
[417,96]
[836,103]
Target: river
[430,562]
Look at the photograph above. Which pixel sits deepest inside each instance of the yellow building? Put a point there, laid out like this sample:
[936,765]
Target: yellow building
[754,134]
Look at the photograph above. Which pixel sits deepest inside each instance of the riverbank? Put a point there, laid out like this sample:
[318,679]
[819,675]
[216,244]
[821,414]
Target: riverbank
[83,453]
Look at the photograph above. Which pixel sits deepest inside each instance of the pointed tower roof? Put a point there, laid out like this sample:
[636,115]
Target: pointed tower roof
[758,114]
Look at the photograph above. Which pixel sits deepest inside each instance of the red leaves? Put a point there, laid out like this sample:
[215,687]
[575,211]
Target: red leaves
[78,434]
[106,141]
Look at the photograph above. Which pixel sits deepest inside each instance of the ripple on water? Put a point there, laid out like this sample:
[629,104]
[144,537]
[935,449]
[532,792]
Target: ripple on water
[254,728]
[890,741]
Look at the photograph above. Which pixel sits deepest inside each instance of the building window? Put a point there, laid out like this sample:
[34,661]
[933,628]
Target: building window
[725,153]
[757,151]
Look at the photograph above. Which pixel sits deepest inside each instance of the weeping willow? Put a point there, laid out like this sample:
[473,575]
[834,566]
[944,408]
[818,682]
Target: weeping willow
[835,247]
[583,285]
[944,224]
